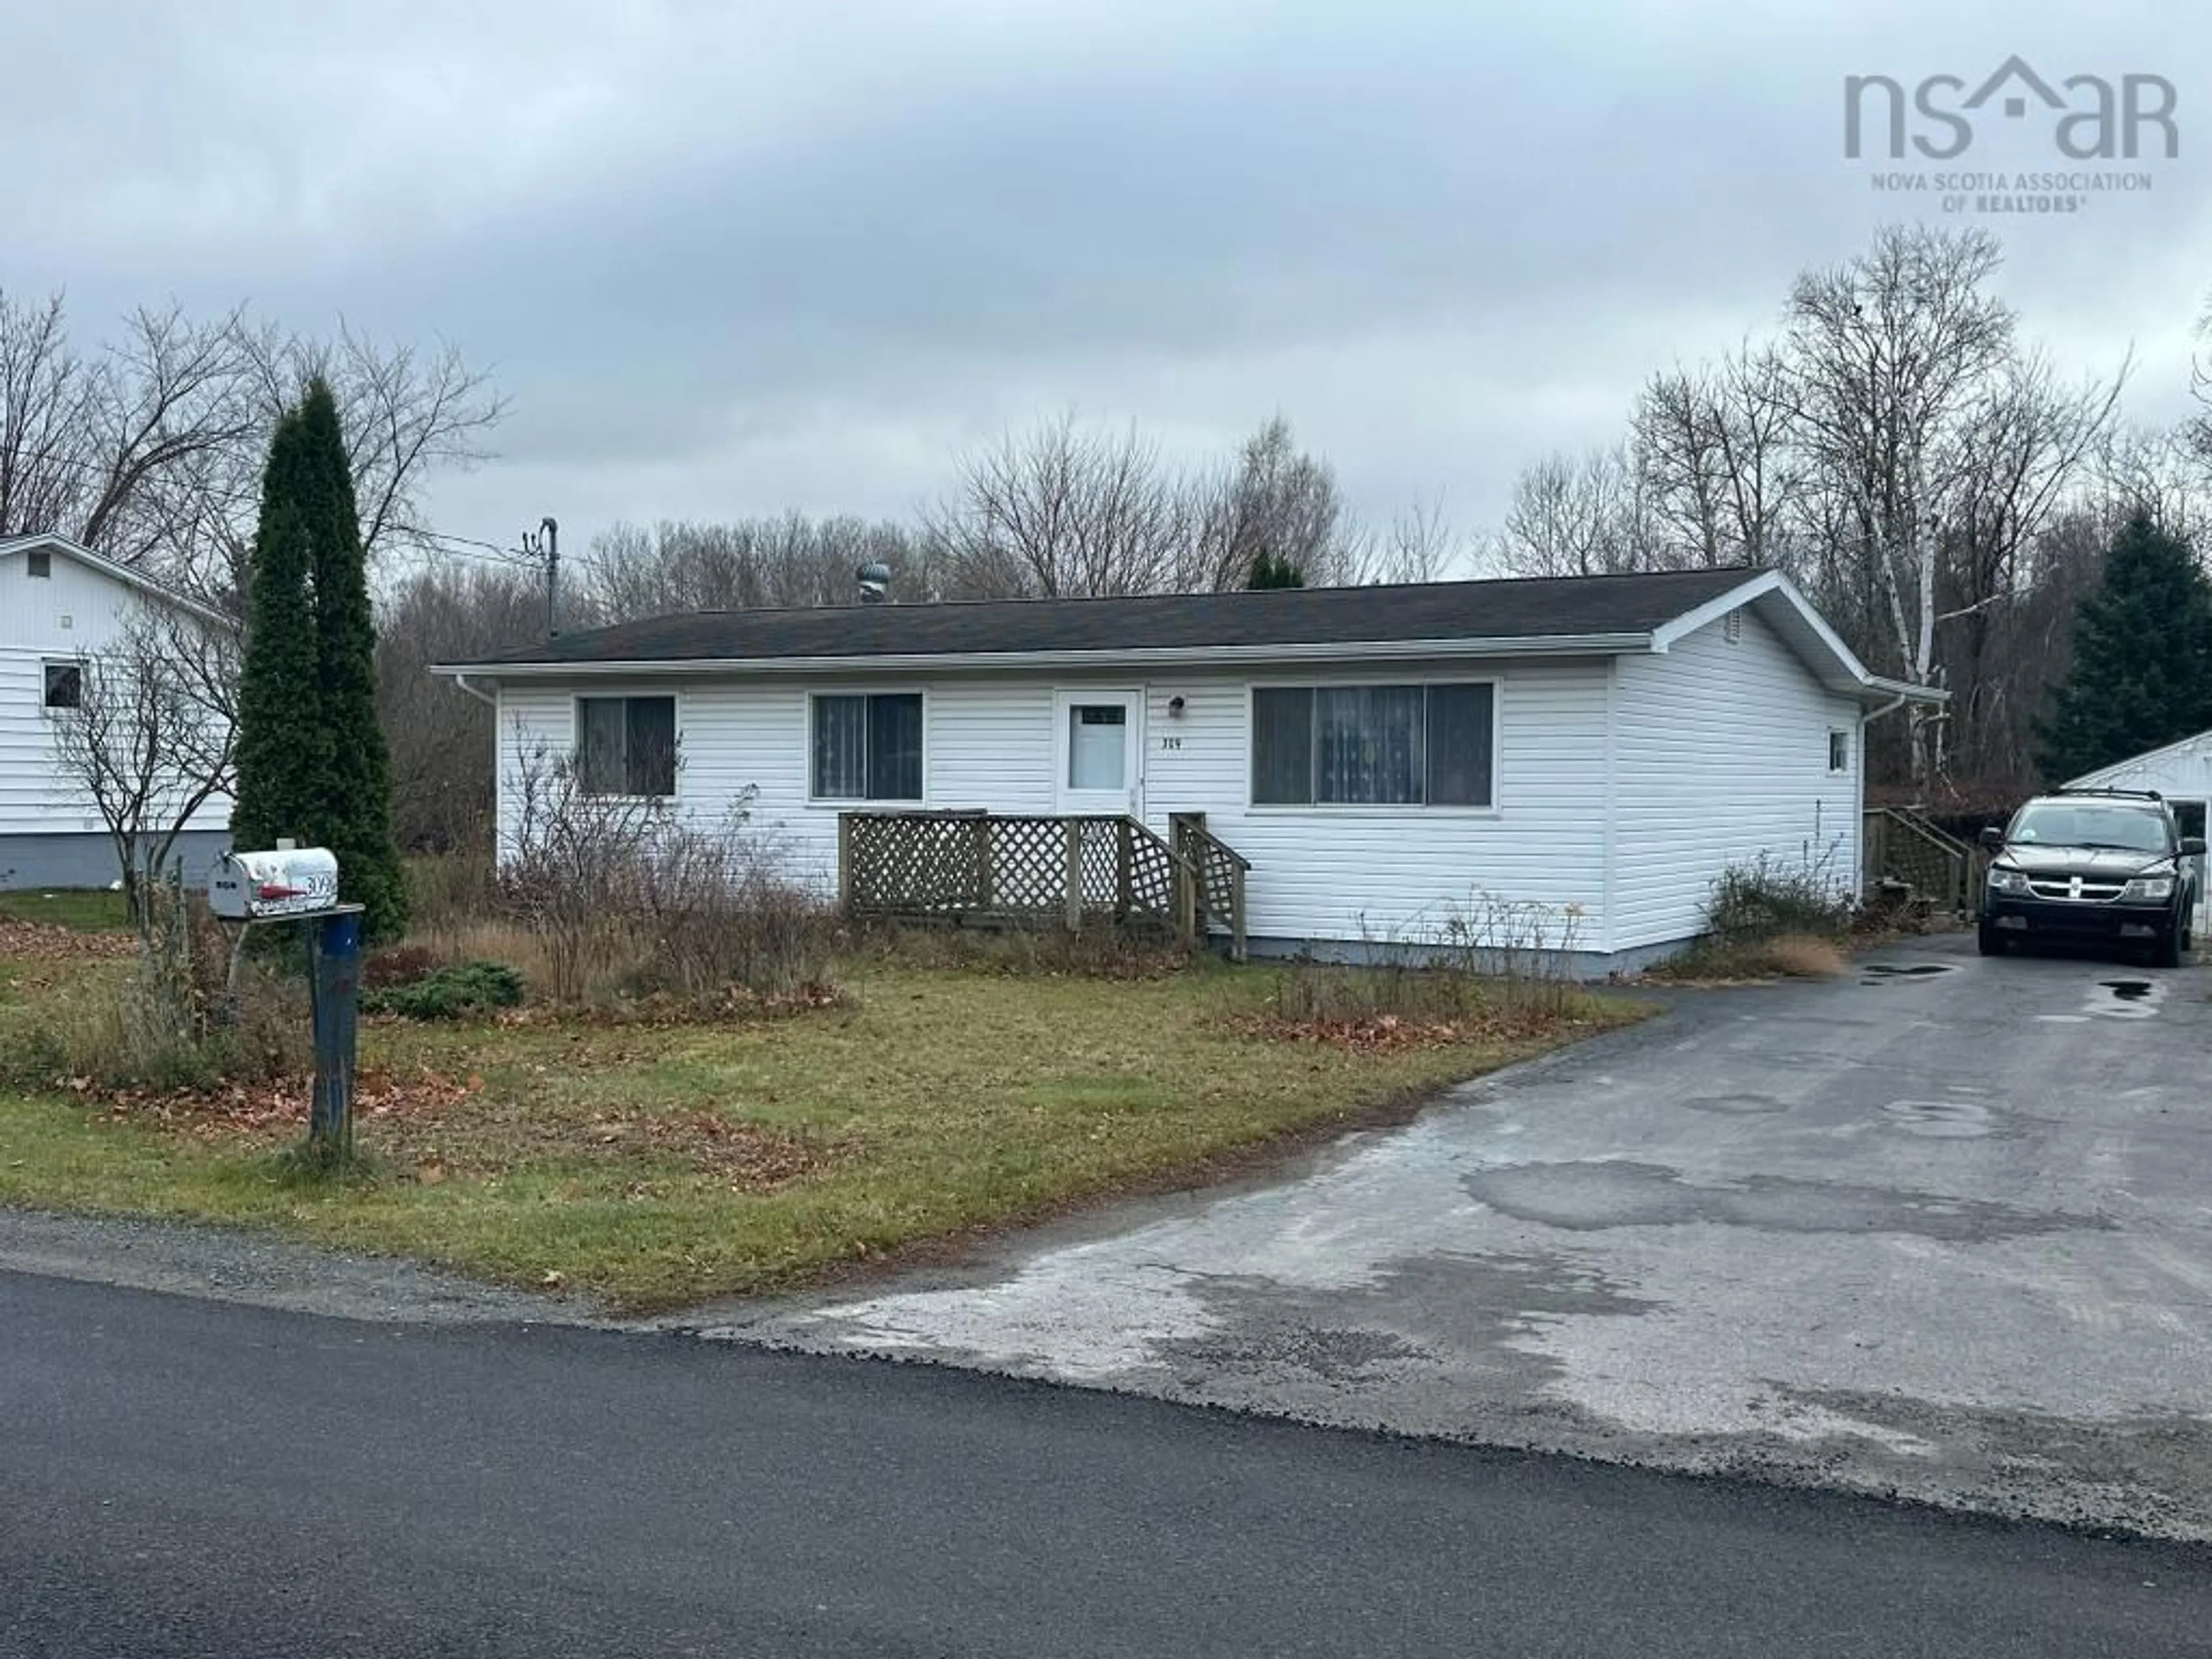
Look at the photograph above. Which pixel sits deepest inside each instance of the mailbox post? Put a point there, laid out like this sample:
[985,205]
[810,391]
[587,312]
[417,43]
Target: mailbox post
[334,997]
[300,884]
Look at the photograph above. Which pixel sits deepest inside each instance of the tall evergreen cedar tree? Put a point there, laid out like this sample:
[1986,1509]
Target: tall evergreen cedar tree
[1275,570]
[2143,658]
[312,762]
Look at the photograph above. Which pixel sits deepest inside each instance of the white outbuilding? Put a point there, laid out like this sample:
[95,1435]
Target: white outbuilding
[2182,772]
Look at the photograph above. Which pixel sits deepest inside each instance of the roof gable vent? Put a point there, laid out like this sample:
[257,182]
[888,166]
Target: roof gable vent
[1732,628]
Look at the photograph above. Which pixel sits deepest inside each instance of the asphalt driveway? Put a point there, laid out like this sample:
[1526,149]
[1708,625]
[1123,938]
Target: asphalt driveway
[1943,1228]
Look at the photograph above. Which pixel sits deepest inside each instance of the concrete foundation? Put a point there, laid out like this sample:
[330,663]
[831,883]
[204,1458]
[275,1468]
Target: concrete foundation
[88,860]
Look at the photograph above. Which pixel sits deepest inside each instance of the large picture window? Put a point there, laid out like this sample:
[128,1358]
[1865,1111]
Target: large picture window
[867,748]
[626,746]
[1373,745]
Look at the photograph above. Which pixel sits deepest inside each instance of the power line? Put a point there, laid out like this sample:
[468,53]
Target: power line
[469,547]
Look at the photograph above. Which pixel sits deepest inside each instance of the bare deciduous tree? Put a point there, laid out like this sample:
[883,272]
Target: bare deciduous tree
[1712,447]
[1888,354]
[632,571]
[1576,516]
[153,737]
[439,735]
[2032,440]
[1275,501]
[1413,547]
[1062,512]
[149,448]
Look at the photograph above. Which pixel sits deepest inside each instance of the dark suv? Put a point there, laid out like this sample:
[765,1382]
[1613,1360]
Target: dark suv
[2092,866]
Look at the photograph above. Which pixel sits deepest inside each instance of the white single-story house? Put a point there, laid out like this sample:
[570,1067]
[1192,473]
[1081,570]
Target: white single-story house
[61,607]
[1387,758]
[2182,772]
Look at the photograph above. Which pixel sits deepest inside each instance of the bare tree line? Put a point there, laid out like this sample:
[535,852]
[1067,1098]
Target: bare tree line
[1063,510]
[1941,489]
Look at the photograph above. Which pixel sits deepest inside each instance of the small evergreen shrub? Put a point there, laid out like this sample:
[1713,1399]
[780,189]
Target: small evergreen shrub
[458,990]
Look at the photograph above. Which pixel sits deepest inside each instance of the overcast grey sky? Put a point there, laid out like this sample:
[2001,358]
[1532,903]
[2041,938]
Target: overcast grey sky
[734,257]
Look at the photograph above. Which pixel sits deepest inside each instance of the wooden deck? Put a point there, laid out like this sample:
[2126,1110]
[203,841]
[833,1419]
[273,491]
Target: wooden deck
[989,869]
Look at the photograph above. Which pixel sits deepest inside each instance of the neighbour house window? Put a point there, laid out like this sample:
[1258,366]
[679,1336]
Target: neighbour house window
[1839,751]
[626,746]
[1374,745]
[867,748]
[38,564]
[65,686]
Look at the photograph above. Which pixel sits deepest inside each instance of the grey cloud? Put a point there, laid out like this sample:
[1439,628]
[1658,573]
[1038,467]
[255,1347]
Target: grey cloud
[730,259]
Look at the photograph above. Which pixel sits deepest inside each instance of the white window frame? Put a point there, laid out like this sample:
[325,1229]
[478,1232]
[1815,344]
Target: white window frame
[38,564]
[862,803]
[1839,736]
[577,700]
[46,665]
[1495,681]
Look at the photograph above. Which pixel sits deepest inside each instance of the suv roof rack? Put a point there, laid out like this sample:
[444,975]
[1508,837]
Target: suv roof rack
[2127,794]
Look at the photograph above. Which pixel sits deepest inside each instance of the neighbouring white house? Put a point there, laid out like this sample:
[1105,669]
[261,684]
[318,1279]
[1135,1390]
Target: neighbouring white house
[63,609]
[1387,758]
[2182,772]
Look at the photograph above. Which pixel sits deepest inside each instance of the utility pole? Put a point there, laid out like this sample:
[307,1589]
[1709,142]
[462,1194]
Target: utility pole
[546,543]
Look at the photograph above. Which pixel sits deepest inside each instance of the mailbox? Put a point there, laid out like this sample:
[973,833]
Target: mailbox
[295,881]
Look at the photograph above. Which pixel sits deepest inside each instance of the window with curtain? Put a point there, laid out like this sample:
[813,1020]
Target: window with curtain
[626,746]
[1373,745]
[867,748]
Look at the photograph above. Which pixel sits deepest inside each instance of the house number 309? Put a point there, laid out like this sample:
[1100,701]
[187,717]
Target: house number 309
[1171,743]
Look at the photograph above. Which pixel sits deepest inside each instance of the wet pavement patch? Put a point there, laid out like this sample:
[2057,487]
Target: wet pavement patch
[1735,1105]
[1468,1312]
[1599,1195]
[1943,1120]
[1880,972]
[2127,990]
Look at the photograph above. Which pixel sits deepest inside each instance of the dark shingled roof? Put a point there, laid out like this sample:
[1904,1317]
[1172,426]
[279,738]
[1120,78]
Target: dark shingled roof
[1534,608]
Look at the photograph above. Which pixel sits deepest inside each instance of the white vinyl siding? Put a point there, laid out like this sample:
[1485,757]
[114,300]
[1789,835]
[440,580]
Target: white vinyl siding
[1334,872]
[67,616]
[1722,757]
[1718,752]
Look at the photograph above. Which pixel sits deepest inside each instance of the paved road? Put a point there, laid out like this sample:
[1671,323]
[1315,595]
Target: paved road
[193,1477]
[1943,1227]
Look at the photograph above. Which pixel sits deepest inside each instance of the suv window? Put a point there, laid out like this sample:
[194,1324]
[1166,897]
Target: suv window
[2092,824]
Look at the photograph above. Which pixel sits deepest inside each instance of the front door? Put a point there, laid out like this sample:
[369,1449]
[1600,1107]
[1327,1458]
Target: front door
[1099,751]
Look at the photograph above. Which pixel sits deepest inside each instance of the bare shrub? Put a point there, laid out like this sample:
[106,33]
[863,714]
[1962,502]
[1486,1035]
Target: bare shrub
[1769,897]
[1798,957]
[444,888]
[1770,917]
[1487,961]
[400,965]
[184,1014]
[624,897]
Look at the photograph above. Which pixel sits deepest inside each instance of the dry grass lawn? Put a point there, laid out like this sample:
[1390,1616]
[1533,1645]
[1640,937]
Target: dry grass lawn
[651,1166]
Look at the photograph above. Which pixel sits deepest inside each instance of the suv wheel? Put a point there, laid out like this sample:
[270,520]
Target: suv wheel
[2166,950]
[1989,941]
